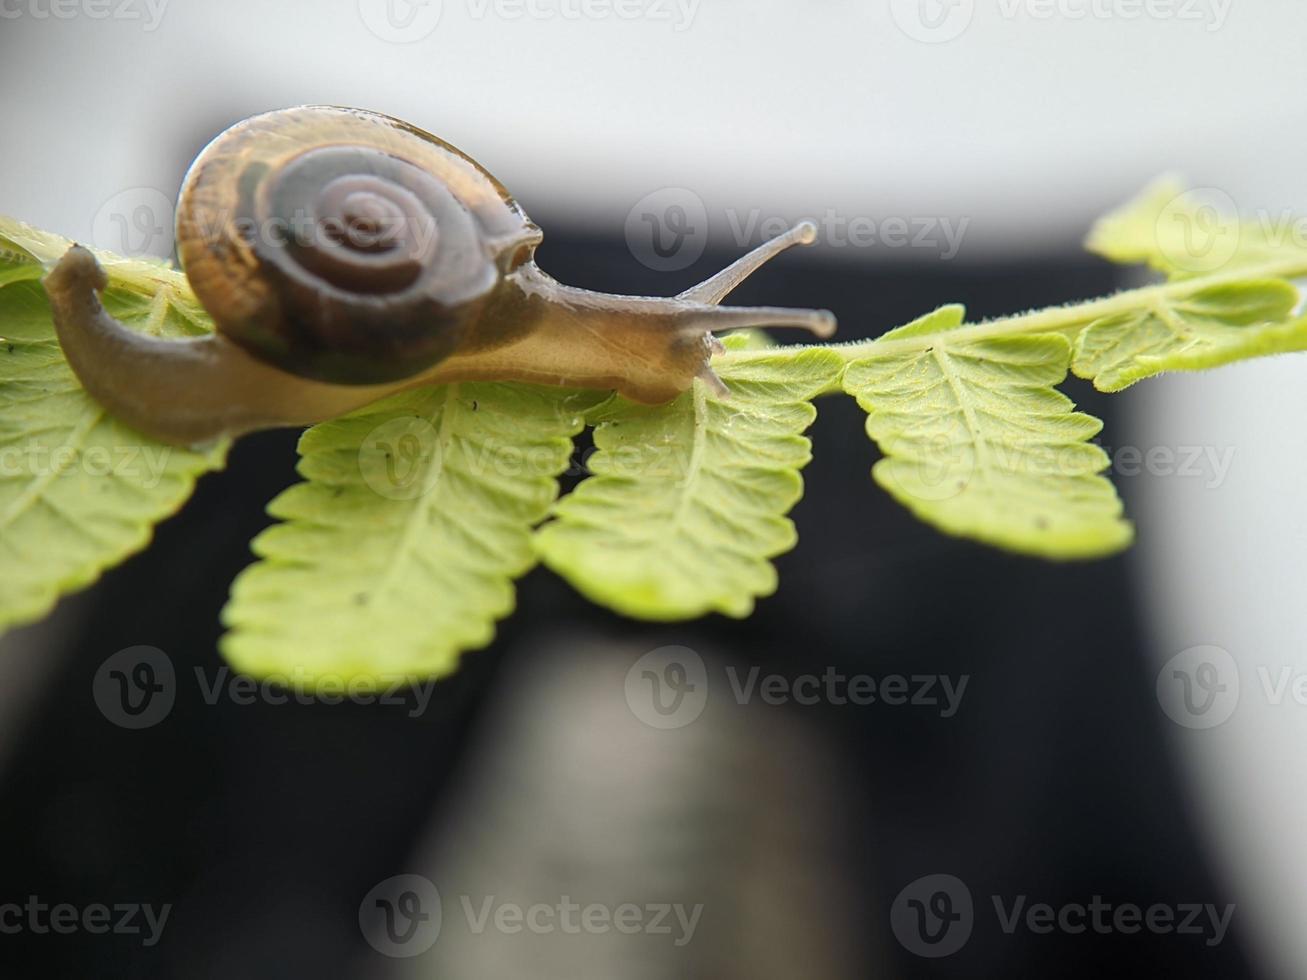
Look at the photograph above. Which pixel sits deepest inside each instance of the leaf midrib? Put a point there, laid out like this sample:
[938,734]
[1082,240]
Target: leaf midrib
[697,448]
[1167,314]
[406,544]
[940,354]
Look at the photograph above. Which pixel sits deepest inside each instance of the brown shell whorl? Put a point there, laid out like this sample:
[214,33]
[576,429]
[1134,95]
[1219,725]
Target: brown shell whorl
[342,245]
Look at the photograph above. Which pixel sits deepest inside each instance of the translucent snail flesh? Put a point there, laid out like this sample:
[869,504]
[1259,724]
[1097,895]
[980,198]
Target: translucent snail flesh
[345,255]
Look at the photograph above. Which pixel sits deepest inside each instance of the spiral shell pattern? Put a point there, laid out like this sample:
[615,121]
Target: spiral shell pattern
[345,246]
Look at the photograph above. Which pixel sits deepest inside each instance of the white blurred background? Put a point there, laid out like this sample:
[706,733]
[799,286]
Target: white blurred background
[1029,125]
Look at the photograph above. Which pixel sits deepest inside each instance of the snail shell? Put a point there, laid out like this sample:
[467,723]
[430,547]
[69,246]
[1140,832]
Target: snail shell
[345,255]
[345,246]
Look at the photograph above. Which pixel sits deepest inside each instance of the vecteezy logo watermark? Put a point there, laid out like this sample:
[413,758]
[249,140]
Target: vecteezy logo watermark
[1199,687]
[934,459]
[358,222]
[939,234]
[401,916]
[679,13]
[667,230]
[150,12]
[1209,13]
[667,687]
[97,919]
[1202,230]
[400,459]
[937,21]
[137,222]
[932,21]
[400,21]
[405,21]
[1198,231]
[933,916]
[137,687]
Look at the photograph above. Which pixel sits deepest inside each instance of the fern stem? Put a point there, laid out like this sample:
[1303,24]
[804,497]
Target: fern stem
[1056,319]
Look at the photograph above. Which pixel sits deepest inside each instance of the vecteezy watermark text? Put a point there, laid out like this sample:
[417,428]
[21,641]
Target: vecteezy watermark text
[668,229]
[407,21]
[1184,919]
[671,919]
[935,691]
[669,688]
[150,12]
[1208,463]
[1211,14]
[137,688]
[935,915]
[63,919]
[401,460]
[940,234]
[1202,686]
[679,13]
[143,465]
[945,463]
[403,916]
[1201,229]
[938,21]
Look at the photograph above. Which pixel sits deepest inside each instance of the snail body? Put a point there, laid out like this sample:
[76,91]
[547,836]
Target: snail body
[345,255]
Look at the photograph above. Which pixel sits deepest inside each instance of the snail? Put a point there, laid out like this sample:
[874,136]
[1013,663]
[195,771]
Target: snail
[345,255]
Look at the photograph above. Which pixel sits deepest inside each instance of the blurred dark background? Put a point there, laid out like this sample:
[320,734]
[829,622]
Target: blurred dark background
[805,832]
[265,825]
